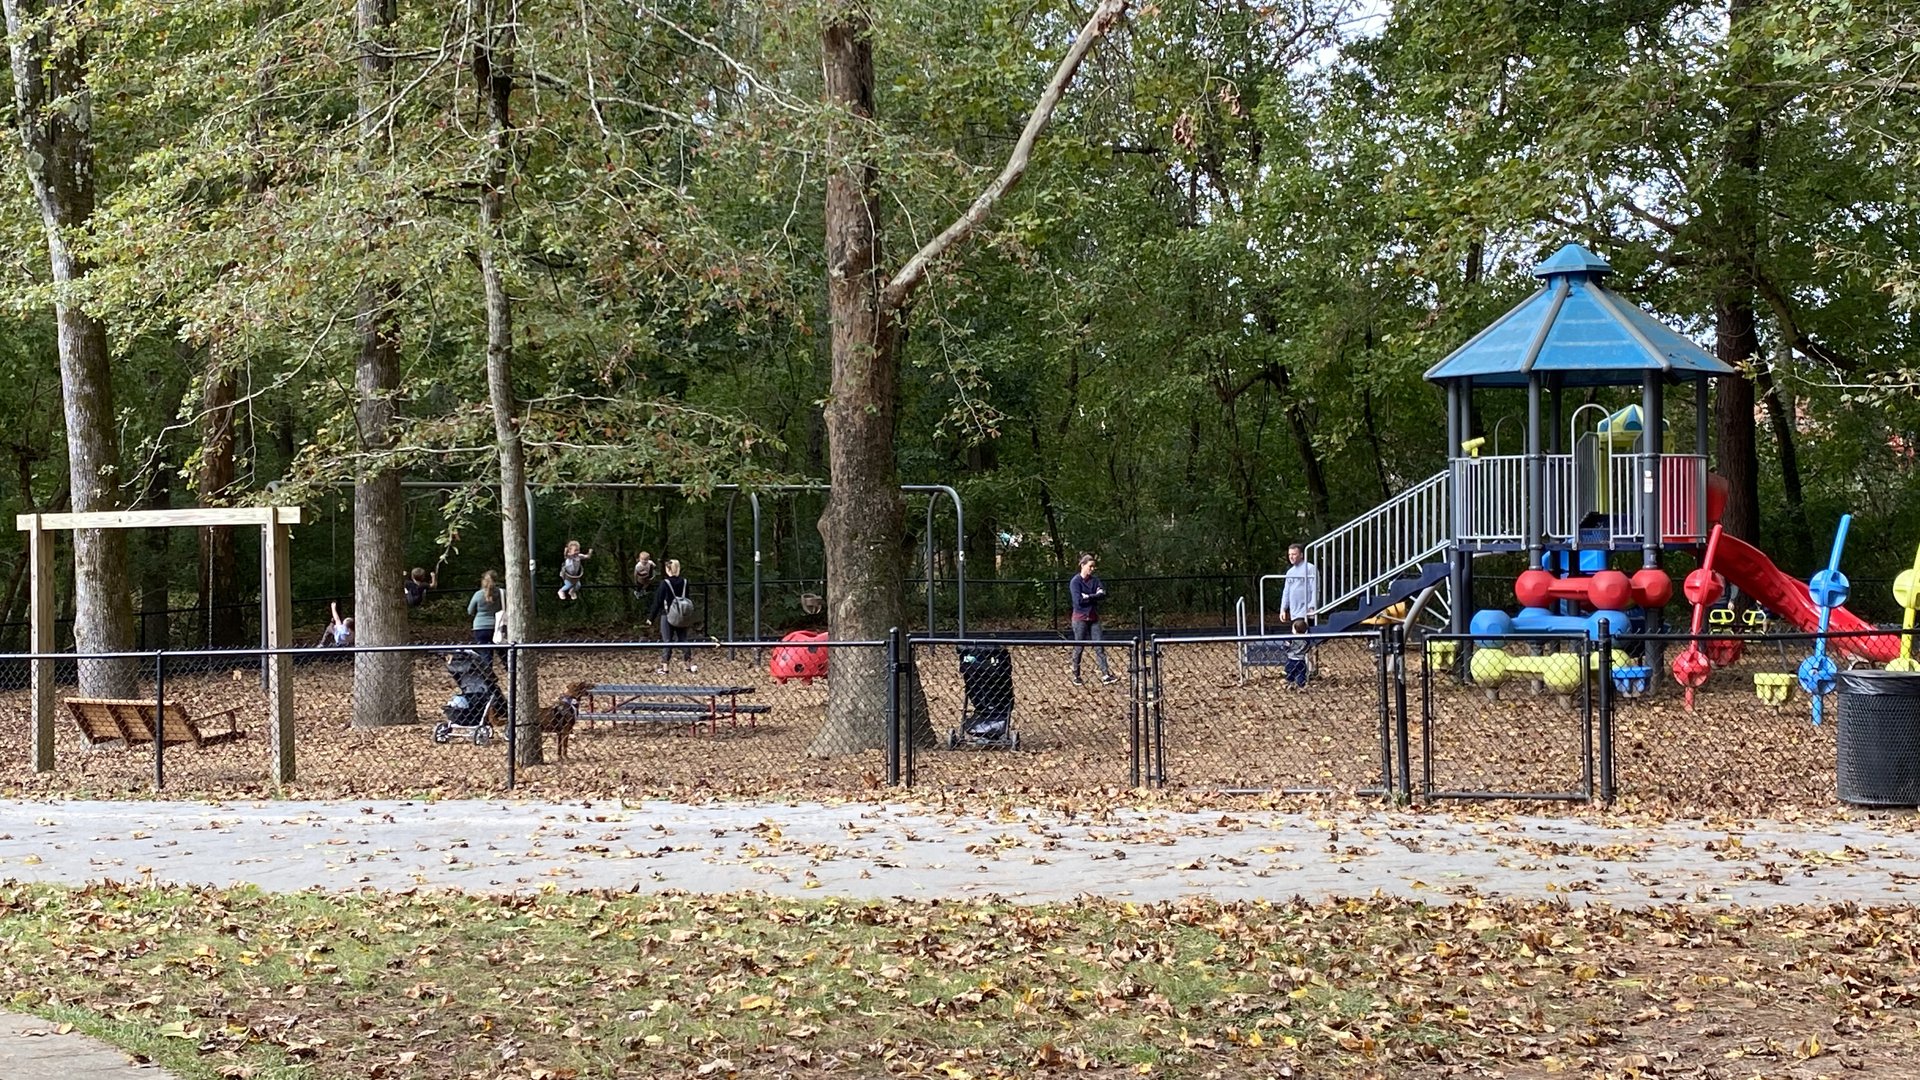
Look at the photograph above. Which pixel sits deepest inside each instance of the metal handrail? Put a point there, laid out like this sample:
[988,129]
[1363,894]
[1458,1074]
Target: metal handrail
[1383,543]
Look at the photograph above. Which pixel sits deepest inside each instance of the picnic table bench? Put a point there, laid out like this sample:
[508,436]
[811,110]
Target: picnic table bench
[666,703]
[132,721]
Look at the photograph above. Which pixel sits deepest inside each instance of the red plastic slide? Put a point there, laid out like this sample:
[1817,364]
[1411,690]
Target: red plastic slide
[1749,569]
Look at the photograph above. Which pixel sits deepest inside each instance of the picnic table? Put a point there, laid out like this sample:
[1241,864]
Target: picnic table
[669,703]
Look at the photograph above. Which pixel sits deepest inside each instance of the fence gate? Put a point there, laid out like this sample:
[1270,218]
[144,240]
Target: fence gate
[1311,714]
[1507,721]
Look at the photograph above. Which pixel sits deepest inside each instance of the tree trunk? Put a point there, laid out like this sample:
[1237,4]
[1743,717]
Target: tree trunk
[865,518]
[1312,472]
[382,681]
[1736,330]
[493,79]
[1056,542]
[1735,343]
[218,583]
[1799,538]
[864,524]
[54,118]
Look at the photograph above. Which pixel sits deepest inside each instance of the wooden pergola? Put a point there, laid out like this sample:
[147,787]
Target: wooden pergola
[274,554]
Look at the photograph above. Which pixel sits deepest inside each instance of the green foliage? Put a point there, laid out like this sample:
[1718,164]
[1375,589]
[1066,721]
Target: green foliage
[1193,334]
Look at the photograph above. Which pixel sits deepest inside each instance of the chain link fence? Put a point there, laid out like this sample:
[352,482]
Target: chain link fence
[1533,718]
[1743,734]
[706,718]
[1302,714]
[1507,718]
[1022,716]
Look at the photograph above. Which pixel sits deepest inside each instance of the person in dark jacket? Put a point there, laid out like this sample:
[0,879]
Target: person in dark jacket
[673,588]
[1088,593]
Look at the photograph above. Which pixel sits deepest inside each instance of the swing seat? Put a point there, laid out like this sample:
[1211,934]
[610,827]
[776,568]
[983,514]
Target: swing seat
[804,657]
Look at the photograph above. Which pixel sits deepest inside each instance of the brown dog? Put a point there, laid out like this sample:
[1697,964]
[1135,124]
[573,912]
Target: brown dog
[558,718]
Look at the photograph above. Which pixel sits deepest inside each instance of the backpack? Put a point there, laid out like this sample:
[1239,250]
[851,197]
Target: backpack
[680,608]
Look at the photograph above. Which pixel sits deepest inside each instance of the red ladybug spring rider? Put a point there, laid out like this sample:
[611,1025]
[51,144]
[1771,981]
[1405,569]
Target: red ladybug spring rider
[805,658]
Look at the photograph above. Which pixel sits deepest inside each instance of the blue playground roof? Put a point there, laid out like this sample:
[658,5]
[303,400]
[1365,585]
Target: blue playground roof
[1579,330]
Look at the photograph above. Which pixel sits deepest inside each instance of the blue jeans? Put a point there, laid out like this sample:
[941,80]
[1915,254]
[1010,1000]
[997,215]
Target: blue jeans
[1089,631]
[570,588]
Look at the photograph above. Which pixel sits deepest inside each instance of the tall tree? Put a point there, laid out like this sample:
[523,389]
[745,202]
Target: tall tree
[53,112]
[493,55]
[382,681]
[864,523]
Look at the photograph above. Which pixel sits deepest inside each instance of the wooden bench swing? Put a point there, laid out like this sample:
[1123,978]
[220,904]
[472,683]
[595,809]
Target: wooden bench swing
[133,721]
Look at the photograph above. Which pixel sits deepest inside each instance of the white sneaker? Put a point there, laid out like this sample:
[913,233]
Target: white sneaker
[661,670]
[691,668]
[562,594]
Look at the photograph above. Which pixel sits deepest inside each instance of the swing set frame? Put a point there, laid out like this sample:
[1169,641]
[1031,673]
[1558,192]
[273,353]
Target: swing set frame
[277,621]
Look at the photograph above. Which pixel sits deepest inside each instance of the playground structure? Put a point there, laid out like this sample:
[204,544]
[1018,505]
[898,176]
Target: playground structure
[1816,606]
[1593,486]
[1560,673]
[733,582]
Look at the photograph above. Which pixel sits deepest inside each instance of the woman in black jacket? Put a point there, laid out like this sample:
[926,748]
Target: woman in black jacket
[674,610]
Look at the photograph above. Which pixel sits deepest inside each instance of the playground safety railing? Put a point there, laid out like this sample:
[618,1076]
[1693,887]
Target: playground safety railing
[1392,538]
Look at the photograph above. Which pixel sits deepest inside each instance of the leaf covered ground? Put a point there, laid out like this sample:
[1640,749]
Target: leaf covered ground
[559,986]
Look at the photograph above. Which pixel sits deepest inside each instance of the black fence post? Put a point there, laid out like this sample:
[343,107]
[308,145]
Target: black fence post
[513,703]
[1135,702]
[894,674]
[1382,652]
[160,720]
[1589,666]
[1606,714]
[1403,750]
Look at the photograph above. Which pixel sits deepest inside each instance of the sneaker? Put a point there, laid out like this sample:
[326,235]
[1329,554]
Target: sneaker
[562,594]
[692,668]
[1077,681]
[661,670]
[1108,680]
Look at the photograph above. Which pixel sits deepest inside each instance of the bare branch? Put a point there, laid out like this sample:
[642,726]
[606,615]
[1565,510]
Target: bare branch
[912,275]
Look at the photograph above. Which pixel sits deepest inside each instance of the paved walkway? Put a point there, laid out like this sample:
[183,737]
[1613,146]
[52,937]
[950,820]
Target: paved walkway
[877,850]
[35,1049]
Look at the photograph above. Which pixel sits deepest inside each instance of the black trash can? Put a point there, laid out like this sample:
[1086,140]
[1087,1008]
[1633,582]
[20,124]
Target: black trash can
[1879,737]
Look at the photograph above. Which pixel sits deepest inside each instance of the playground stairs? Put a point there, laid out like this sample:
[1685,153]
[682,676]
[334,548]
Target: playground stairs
[1389,554]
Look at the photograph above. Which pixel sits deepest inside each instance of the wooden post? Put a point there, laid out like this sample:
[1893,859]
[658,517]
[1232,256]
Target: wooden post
[40,640]
[275,554]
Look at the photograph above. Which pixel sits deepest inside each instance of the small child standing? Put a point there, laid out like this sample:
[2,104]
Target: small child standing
[1296,659]
[573,567]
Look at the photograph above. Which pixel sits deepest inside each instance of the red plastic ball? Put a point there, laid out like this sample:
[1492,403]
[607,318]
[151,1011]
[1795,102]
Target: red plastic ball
[1609,590]
[1702,587]
[1653,587]
[1533,588]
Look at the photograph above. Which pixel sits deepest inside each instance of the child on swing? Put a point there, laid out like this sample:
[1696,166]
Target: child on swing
[339,631]
[643,572]
[573,567]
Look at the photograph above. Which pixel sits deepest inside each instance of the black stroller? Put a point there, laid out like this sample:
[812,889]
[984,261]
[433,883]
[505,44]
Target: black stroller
[476,695]
[986,720]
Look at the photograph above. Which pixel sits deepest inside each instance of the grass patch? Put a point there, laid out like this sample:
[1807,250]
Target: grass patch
[238,983]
